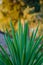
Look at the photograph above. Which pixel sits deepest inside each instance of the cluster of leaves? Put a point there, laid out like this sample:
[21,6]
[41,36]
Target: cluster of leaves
[23,50]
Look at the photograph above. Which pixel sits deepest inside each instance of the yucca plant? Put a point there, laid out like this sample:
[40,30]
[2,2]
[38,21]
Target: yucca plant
[22,49]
